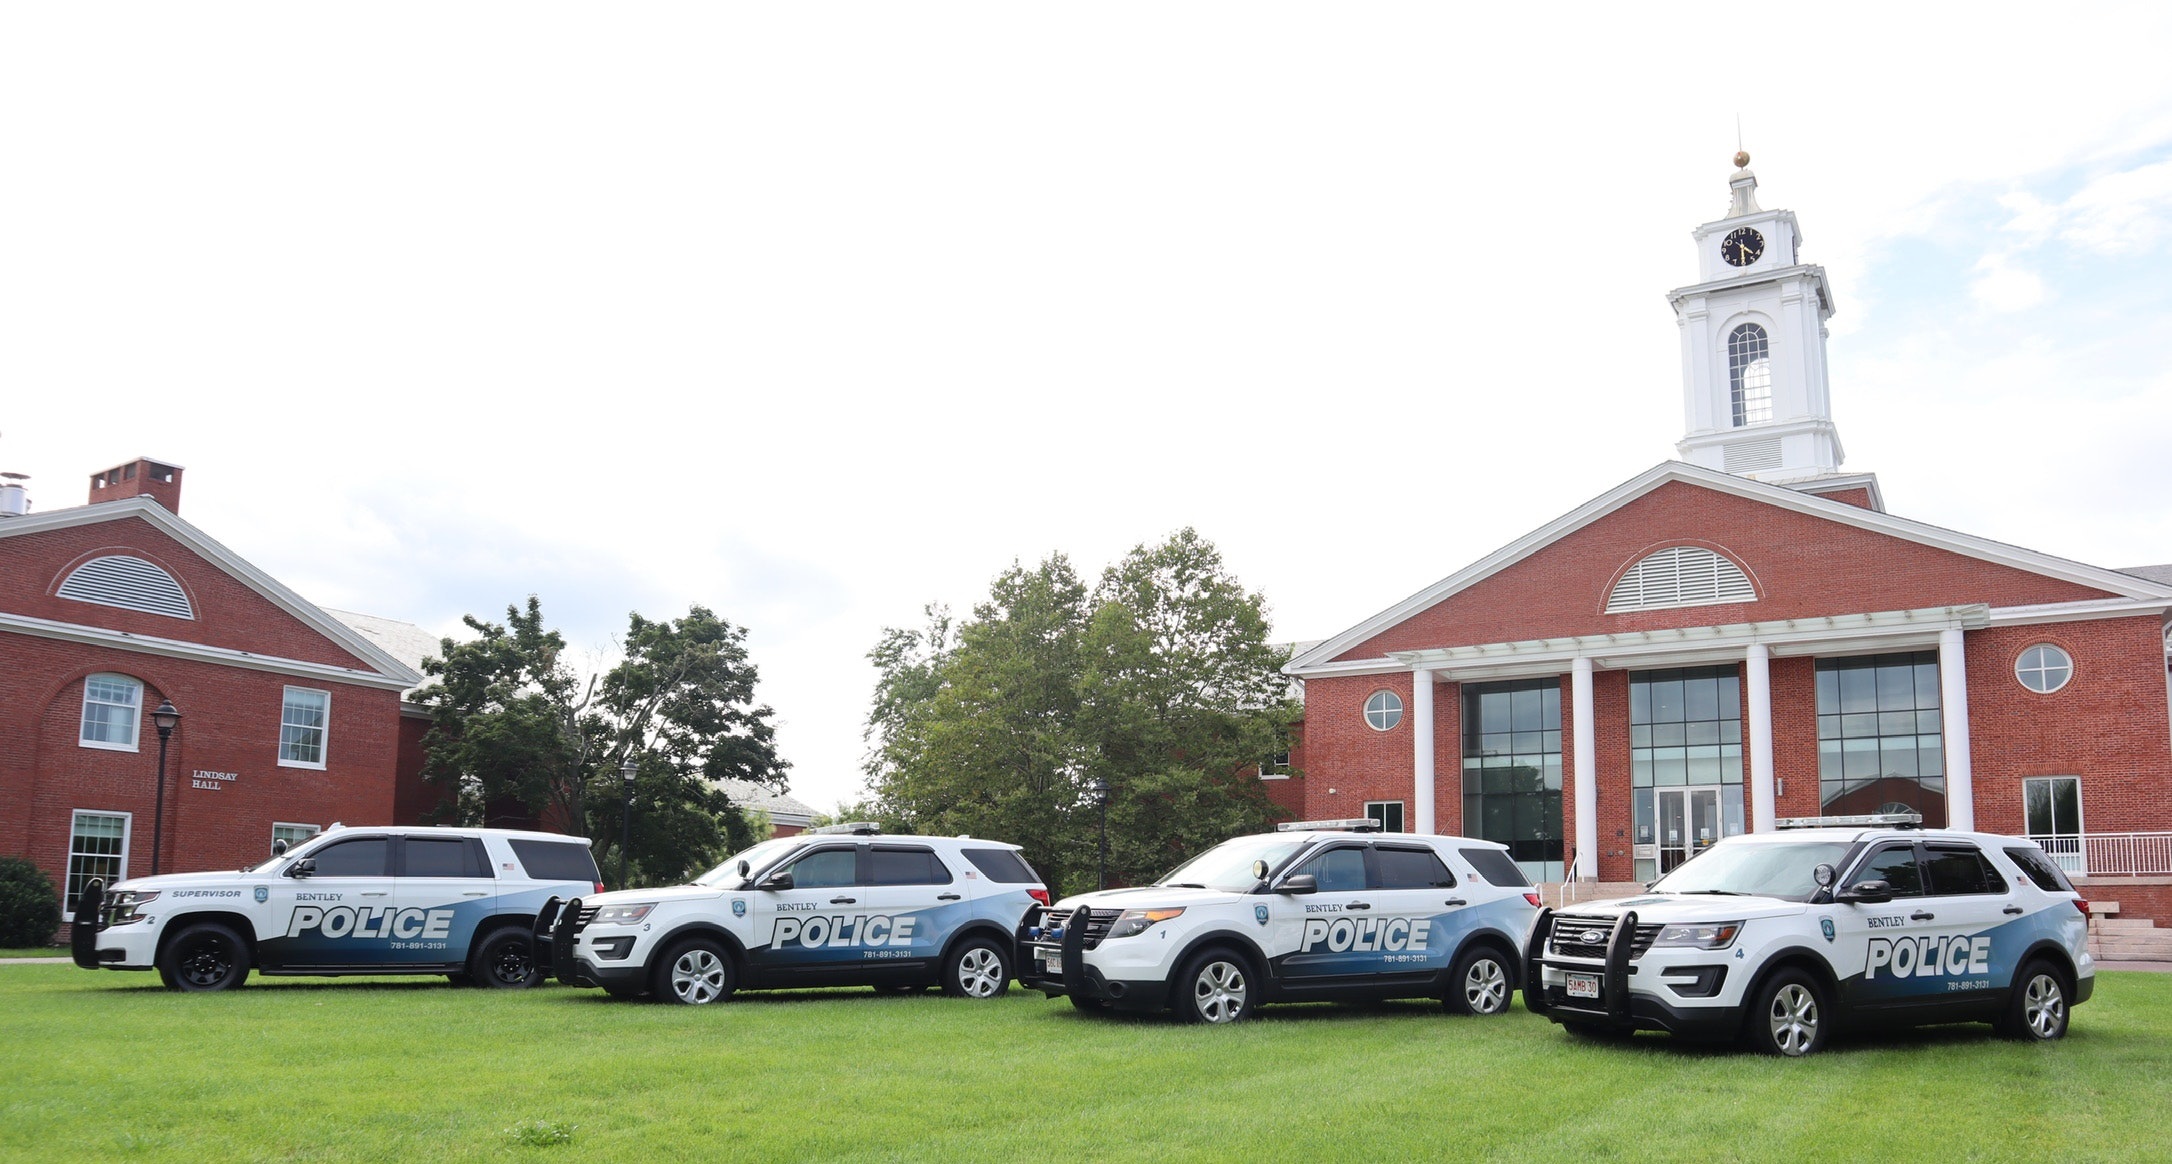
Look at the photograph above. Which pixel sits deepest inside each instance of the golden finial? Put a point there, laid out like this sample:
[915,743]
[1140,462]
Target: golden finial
[1742,159]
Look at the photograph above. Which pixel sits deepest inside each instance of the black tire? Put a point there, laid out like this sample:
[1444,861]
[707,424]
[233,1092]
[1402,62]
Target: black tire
[977,968]
[1789,1016]
[461,979]
[1597,1032]
[624,991]
[1482,982]
[1214,986]
[204,956]
[505,961]
[2041,1005]
[900,987]
[1085,1005]
[695,971]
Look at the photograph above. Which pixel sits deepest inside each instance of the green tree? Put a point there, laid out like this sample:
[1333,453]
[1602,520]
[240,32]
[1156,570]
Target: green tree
[1158,680]
[521,736]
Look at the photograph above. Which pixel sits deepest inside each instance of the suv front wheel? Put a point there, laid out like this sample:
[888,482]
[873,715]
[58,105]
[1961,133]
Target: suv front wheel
[695,972]
[205,956]
[1215,986]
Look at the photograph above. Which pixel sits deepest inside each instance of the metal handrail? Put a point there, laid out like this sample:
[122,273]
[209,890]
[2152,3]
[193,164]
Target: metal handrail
[2137,854]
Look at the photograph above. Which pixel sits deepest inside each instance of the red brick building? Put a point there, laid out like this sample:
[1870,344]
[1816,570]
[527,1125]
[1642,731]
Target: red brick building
[1745,635]
[289,718]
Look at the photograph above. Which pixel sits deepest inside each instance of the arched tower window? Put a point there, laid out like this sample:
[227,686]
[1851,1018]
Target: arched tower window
[1680,576]
[1749,374]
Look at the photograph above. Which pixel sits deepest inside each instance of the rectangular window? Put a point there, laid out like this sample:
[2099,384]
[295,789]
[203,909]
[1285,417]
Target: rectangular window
[439,857]
[1002,865]
[302,719]
[2052,805]
[887,865]
[1880,747]
[293,834]
[97,847]
[1389,813]
[555,860]
[1276,766]
[1402,868]
[112,710]
[1512,771]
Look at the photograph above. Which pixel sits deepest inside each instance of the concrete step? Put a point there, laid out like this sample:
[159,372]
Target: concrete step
[2135,949]
[2111,926]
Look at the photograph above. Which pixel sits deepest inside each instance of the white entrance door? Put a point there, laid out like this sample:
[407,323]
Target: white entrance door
[1689,821]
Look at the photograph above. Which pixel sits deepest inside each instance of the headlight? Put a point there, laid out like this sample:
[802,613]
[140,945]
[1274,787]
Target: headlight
[1133,922]
[127,898]
[622,915]
[1709,936]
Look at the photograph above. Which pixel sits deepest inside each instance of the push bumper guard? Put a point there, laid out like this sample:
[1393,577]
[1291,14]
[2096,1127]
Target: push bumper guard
[84,925]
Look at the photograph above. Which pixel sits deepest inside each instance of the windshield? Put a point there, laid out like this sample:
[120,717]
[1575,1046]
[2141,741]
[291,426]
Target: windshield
[757,858]
[1755,868]
[1228,866]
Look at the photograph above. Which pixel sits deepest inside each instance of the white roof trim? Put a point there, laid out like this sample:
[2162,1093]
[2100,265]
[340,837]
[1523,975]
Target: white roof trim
[1315,661]
[391,670]
[198,652]
[2093,608]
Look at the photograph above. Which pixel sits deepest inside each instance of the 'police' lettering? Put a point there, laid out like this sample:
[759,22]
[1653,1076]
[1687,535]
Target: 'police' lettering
[370,922]
[844,931]
[1365,934]
[1930,956]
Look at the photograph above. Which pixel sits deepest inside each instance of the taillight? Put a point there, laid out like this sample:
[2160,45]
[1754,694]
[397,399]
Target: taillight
[1533,898]
[2082,904]
[599,887]
[1040,895]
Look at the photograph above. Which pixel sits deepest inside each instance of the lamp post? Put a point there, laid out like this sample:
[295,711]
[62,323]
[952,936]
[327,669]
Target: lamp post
[166,718]
[627,771]
[1101,798]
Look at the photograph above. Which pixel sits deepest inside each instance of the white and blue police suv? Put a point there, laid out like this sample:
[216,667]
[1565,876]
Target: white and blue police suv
[844,905]
[1863,922]
[1317,910]
[454,901]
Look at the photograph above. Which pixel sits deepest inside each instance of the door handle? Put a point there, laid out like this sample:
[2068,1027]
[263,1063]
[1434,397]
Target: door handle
[946,897]
[476,893]
[1456,901]
[2013,909]
[1359,905]
[843,900]
[379,893]
[1921,915]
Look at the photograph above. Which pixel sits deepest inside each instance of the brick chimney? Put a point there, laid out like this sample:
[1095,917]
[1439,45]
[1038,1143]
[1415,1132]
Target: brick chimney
[141,477]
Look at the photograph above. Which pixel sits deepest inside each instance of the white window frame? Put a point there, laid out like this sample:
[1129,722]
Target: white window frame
[68,884]
[303,832]
[1390,708]
[135,722]
[323,730]
[2022,671]
[1401,810]
[2073,859]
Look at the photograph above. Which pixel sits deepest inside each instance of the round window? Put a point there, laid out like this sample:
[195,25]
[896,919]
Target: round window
[1383,711]
[2044,668]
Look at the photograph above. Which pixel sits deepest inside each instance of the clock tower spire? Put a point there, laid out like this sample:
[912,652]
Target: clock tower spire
[1753,347]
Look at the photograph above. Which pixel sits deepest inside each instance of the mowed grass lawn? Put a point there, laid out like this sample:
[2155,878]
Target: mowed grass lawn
[110,1066]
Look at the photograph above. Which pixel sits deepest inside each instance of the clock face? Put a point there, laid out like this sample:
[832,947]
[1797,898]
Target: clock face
[1743,247]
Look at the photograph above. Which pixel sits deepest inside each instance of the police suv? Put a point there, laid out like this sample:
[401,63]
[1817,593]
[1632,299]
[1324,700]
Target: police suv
[452,901]
[1315,910]
[839,906]
[1779,938]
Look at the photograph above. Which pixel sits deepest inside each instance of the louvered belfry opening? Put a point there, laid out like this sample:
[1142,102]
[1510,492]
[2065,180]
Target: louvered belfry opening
[142,477]
[129,583]
[1680,576]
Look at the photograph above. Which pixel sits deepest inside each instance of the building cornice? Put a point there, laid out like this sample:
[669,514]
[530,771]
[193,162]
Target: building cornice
[391,671]
[202,653]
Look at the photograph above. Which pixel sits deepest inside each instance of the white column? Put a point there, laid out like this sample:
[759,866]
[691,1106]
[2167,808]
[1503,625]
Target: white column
[1421,746]
[1758,672]
[1586,731]
[1953,699]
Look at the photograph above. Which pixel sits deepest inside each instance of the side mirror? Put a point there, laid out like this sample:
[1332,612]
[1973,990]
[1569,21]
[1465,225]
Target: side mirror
[279,847]
[1866,893]
[1301,883]
[1259,870]
[776,881]
[302,868]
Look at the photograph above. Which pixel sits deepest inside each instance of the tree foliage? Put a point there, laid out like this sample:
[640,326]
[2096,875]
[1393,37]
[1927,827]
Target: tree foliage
[521,736]
[1158,680]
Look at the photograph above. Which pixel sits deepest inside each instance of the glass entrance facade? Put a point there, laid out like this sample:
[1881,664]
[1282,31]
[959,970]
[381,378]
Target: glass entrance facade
[1685,763]
[1512,771]
[1880,743]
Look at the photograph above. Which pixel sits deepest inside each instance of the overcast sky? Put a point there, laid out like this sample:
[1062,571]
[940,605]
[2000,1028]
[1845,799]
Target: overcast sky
[815,314]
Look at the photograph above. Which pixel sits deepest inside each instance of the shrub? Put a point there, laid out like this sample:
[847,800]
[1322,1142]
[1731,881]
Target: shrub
[29,908]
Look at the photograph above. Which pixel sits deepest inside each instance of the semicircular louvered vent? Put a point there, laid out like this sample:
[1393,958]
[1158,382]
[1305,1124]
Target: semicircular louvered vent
[129,583]
[1680,576]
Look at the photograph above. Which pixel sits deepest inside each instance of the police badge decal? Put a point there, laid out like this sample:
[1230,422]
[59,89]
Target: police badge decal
[1825,924]
[262,894]
[1259,914]
[739,907]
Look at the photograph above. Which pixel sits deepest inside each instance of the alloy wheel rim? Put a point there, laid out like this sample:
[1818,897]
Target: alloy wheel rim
[1219,992]
[1485,988]
[980,972]
[2043,1005]
[698,977]
[1794,1019]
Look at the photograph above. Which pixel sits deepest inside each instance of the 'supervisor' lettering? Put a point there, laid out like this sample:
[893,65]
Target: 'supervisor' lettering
[1371,933]
[370,921]
[844,930]
[1928,957]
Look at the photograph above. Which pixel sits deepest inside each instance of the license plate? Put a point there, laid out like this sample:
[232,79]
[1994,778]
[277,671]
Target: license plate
[1052,961]
[1583,986]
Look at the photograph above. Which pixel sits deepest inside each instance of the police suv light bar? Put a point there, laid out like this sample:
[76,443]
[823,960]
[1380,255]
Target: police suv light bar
[1357,824]
[1887,820]
[858,828]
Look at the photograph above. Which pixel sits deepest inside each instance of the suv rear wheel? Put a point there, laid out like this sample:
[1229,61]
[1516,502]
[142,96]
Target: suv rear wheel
[2038,1010]
[1481,983]
[505,961]
[976,969]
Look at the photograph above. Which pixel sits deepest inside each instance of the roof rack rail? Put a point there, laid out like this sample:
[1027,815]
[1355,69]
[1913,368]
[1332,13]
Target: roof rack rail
[858,828]
[1875,820]
[1354,824]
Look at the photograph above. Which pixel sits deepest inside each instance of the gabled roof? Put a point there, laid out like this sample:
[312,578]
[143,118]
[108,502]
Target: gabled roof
[383,669]
[2125,584]
[782,807]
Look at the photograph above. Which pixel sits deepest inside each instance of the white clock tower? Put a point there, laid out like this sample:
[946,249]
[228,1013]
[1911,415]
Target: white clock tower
[1753,347]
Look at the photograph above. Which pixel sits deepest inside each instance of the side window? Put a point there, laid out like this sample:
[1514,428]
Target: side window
[2038,868]
[1495,866]
[1003,866]
[1958,869]
[896,865]
[555,860]
[1896,866]
[1411,869]
[1336,870]
[826,869]
[361,857]
[438,857]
